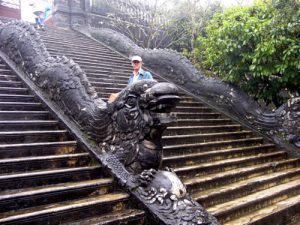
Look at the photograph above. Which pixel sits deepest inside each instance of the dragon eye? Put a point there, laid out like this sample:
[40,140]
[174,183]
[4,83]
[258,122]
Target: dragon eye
[131,102]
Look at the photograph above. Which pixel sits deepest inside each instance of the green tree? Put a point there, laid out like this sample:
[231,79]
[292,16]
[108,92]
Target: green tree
[256,47]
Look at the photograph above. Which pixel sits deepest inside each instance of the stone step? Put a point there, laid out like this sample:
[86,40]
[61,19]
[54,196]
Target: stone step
[51,176]
[76,56]
[281,213]
[128,217]
[192,109]
[123,79]
[187,98]
[6,72]
[62,32]
[196,115]
[79,46]
[56,34]
[66,211]
[200,138]
[87,55]
[205,182]
[2,65]
[8,83]
[106,66]
[209,156]
[253,202]
[202,129]
[105,62]
[24,115]
[13,90]
[98,79]
[59,32]
[20,106]
[245,187]
[31,136]
[209,146]
[106,69]
[120,76]
[31,163]
[72,37]
[228,164]
[76,42]
[25,125]
[8,78]
[28,197]
[16,98]
[70,40]
[38,149]
[121,61]
[189,103]
[201,122]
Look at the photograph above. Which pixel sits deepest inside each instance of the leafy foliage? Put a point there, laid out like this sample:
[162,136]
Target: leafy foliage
[256,47]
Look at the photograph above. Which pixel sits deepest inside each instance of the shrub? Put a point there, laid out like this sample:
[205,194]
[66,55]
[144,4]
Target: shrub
[256,47]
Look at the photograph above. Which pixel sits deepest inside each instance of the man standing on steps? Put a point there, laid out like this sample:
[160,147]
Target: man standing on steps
[138,72]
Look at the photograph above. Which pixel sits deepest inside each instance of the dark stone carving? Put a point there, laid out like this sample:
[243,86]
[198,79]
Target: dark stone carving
[283,125]
[138,120]
[128,131]
[164,192]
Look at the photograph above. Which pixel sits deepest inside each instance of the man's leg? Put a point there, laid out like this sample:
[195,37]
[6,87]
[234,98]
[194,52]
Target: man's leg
[42,23]
[37,23]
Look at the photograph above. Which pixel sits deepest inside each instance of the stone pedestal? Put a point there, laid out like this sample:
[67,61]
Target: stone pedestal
[69,12]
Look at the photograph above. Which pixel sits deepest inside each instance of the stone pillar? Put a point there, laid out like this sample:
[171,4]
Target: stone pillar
[67,12]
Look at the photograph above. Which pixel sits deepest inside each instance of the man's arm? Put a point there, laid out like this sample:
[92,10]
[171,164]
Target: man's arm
[148,76]
[130,79]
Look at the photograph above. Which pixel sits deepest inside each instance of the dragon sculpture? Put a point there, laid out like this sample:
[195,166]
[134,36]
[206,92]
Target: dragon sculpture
[127,131]
[281,125]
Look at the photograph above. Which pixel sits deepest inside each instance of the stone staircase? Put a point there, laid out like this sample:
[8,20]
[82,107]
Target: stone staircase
[45,176]
[236,174]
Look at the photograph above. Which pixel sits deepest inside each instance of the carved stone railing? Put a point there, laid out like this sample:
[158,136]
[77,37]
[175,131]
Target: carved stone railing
[282,126]
[125,136]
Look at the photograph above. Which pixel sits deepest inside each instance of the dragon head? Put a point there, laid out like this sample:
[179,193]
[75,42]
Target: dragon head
[140,114]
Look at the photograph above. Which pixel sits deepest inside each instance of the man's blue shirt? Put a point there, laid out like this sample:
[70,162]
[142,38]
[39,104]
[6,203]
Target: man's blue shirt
[143,75]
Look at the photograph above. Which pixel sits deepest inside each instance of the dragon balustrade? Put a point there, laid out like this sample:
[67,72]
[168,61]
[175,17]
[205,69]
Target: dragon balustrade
[281,125]
[127,132]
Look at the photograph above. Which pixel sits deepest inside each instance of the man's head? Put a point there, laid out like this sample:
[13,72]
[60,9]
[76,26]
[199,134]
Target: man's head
[136,62]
